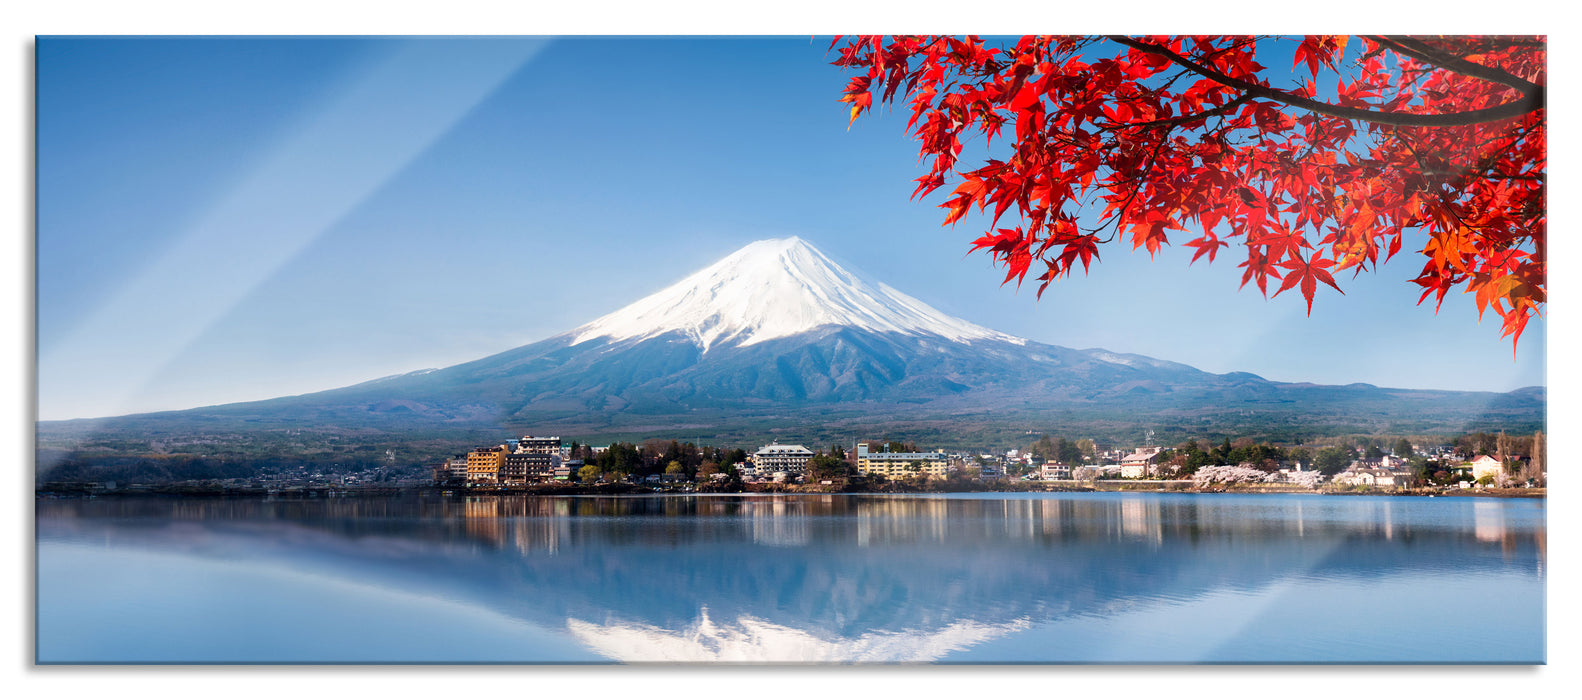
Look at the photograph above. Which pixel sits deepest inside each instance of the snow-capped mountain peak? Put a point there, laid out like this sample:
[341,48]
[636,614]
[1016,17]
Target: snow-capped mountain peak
[773,289]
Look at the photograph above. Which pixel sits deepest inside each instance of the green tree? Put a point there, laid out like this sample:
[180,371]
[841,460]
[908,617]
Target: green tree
[1220,455]
[1193,458]
[1043,448]
[675,467]
[1332,460]
[1422,468]
[825,467]
[622,458]
[589,473]
[1300,455]
[1260,455]
[1474,444]
[1272,452]
[1067,452]
[1403,448]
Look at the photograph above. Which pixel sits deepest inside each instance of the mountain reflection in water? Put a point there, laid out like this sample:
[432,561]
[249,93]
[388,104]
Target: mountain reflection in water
[1020,577]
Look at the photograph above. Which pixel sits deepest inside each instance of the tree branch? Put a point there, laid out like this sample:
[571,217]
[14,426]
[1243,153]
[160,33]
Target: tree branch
[1174,121]
[1530,102]
[1408,46]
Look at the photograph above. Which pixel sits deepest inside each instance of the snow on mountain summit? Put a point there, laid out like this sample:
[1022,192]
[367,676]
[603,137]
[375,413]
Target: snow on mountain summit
[773,289]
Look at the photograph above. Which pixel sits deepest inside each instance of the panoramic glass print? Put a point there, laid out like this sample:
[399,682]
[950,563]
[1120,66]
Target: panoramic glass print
[454,350]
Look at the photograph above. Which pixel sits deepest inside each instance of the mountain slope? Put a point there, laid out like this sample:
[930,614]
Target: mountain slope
[778,340]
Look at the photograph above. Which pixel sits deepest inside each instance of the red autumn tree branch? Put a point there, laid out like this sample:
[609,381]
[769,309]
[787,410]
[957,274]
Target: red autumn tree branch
[1445,136]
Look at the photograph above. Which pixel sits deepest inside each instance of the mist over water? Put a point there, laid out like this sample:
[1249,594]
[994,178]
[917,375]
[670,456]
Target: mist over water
[972,578]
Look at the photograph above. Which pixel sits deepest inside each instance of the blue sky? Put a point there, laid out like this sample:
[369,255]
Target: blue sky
[234,219]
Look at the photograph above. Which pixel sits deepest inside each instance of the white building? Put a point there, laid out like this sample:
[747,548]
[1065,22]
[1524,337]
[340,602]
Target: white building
[1097,471]
[1373,476]
[1052,471]
[1139,463]
[1485,465]
[776,457]
[1392,462]
[530,445]
[457,467]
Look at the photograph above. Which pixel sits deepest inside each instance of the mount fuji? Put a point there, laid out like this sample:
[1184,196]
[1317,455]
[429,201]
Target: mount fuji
[777,289]
[777,340]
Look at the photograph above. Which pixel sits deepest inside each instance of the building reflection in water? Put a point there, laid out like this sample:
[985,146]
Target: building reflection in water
[544,524]
[1488,521]
[1491,523]
[1140,518]
[525,524]
[768,523]
[1389,524]
[761,577]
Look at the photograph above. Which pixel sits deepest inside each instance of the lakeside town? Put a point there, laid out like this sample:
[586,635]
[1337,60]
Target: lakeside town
[1473,463]
[534,460]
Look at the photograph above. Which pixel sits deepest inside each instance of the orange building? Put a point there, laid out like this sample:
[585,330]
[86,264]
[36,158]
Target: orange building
[483,465]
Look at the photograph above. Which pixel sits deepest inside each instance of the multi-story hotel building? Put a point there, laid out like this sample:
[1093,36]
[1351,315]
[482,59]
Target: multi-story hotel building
[451,471]
[528,468]
[483,465]
[902,464]
[538,445]
[776,457]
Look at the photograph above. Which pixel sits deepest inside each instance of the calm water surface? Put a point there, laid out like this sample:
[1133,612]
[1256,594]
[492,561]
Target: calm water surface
[974,578]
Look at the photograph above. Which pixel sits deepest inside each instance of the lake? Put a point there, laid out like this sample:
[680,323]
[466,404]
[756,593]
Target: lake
[964,578]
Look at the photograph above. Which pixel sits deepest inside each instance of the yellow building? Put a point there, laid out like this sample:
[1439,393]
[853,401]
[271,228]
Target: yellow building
[895,465]
[483,465]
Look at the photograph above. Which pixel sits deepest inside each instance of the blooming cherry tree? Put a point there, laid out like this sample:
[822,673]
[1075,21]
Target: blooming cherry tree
[1230,474]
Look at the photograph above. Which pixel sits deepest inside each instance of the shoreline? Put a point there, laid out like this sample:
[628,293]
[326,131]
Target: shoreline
[558,490]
